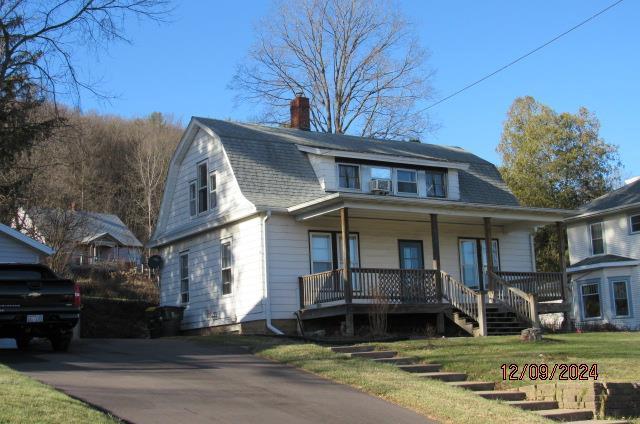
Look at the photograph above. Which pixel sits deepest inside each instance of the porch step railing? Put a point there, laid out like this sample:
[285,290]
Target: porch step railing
[523,305]
[547,286]
[410,286]
[460,296]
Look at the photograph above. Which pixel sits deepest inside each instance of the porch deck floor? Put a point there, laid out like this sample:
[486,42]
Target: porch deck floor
[325,311]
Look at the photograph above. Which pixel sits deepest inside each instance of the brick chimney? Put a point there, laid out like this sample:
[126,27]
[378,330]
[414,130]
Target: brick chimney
[300,113]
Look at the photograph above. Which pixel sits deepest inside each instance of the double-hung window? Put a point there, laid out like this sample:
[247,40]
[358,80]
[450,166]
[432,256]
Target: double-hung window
[349,176]
[184,278]
[597,238]
[213,193]
[634,223]
[620,297]
[590,293]
[407,181]
[436,183]
[193,201]
[203,190]
[226,262]
[321,252]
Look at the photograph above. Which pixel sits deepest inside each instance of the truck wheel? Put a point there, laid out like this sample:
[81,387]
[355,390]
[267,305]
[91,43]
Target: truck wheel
[60,343]
[23,342]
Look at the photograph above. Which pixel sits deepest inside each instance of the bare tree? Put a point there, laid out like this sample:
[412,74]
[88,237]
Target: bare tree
[358,61]
[155,139]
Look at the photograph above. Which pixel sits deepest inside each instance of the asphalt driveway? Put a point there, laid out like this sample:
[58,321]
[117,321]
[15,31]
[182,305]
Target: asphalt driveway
[176,381]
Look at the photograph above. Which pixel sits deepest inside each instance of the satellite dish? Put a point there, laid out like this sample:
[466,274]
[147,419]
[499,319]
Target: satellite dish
[155,262]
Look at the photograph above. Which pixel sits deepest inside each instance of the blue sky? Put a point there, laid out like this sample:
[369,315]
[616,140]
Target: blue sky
[183,67]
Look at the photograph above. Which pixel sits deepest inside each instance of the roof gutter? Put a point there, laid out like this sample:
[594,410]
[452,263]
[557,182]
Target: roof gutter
[265,278]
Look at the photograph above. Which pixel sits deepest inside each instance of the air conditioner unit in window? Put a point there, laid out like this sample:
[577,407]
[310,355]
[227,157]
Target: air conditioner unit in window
[380,186]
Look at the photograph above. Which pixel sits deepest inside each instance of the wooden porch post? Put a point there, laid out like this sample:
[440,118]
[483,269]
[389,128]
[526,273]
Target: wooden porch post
[346,275]
[489,248]
[435,247]
[560,230]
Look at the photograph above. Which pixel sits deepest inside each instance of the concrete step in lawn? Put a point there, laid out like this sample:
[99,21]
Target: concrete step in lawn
[502,394]
[351,349]
[395,360]
[420,367]
[444,376]
[374,354]
[566,414]
[474,385]
[534,405]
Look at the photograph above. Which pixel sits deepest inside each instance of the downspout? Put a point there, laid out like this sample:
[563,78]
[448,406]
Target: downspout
[266,302]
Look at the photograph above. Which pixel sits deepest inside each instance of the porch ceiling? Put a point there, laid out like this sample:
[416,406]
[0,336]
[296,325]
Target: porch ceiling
[414,209]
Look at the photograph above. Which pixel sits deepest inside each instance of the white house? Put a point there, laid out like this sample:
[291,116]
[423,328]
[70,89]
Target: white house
[15,247]
[252,221]
[604,250]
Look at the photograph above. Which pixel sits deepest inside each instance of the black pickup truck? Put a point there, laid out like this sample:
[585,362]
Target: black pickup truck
[35,302]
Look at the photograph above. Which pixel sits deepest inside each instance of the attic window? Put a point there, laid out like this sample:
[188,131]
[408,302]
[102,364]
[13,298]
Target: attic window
[203,190]
[436,183]
[349,176]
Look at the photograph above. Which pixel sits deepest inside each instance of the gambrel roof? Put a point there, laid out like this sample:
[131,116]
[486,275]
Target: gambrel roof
[273,173]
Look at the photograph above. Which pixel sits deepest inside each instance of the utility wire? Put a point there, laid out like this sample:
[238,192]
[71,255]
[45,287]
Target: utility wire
[592,17]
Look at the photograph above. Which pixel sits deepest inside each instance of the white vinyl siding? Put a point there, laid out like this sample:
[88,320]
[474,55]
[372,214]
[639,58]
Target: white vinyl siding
[176,215]
[207,306]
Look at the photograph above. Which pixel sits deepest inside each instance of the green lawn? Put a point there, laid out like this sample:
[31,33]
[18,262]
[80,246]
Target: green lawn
[615,353]
[23,400]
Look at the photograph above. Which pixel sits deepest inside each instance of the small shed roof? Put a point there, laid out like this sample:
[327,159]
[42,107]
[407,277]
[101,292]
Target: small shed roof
[18,236]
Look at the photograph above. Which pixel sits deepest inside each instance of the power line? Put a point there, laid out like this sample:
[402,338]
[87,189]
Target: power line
[592,17]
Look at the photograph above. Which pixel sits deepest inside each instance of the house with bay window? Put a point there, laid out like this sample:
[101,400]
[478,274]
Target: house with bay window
[282,230]
[604,250]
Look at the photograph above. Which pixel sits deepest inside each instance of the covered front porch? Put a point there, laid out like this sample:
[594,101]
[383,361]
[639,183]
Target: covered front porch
[426,257]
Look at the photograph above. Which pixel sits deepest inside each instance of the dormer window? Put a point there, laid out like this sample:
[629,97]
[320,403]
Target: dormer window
[436,183]
[407,181]
[349,176]
[597,238]
[203,189]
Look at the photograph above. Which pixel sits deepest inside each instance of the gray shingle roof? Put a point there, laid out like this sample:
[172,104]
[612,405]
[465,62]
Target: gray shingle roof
[625,195]
[272,172]
[600,259]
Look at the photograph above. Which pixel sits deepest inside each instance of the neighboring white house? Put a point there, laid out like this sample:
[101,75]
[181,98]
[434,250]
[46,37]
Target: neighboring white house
[604,250]
[15,247]
[253,214]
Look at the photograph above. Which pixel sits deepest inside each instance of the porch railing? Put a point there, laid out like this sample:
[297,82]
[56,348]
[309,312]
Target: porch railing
[411,286]
[460,296]
[547,286]
[523,304]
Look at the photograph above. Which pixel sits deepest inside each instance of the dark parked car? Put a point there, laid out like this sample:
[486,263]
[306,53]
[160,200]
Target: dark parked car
[35,302]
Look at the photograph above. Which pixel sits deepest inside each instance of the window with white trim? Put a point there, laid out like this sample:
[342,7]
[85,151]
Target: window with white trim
[407,181]
[597,238]
[193,201]
[184,278]
[634,223]
[620,298]
[590,293]
[226,263]
[349,176]
[213,193]
[203,189]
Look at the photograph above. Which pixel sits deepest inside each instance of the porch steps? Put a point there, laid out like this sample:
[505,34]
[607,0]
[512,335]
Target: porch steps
[420,367]
[485,389]
[444,376]
[566,414]
[502,394]
[374,354]
[396,360]
[352,349]
[475,386]
[534,405]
